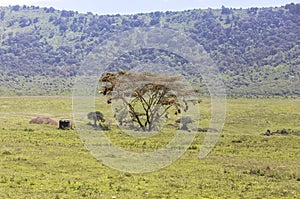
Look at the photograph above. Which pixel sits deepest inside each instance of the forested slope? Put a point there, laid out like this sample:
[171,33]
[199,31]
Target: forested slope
[256,49]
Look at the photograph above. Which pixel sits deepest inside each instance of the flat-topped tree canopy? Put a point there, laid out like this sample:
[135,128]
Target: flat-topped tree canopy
[147,96]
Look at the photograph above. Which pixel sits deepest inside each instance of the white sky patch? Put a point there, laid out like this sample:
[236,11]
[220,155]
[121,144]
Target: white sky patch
[142,6]
[24,2]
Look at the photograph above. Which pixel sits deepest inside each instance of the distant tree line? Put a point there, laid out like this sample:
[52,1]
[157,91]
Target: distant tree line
[251,47]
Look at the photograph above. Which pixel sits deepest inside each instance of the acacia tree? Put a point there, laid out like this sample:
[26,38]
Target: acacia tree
[148,97]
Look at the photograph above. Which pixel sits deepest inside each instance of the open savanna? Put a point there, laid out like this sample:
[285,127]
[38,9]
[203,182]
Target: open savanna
[41,161]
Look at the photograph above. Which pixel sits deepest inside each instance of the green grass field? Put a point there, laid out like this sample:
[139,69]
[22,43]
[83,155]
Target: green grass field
[40,161]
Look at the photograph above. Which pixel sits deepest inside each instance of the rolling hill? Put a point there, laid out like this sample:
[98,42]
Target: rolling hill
[256,50]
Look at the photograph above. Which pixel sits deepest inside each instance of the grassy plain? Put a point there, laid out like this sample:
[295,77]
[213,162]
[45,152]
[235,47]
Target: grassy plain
[40,161]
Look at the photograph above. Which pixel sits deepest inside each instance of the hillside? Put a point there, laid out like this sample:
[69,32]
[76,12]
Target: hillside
[256,49]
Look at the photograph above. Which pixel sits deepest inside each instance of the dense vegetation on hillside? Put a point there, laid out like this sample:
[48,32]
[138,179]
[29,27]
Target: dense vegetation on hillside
[256,49]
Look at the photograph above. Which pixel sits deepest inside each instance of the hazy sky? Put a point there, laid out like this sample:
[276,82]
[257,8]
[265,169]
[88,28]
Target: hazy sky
[139,6]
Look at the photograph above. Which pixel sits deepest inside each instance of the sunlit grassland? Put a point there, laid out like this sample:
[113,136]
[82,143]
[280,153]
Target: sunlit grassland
[40,161]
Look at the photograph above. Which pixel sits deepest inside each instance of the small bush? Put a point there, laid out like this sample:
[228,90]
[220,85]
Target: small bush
[258,172]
